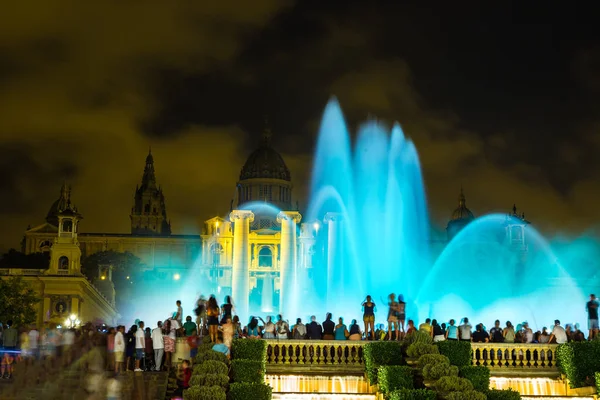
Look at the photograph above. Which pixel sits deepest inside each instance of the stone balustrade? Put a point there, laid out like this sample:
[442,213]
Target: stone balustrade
[516,358]
[346,357]
[315,356]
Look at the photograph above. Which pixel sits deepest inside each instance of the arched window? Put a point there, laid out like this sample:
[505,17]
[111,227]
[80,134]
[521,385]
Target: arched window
[216,250]
[67,225]
[147,208]
[45,246]
[63,263]
[265,257]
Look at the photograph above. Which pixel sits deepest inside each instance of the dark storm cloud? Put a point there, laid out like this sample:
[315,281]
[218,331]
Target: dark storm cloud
[487,97]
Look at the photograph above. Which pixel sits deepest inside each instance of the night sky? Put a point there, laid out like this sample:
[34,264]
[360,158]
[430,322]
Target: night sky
[503,100]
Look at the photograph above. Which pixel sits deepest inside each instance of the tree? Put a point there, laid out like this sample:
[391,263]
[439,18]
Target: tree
[17,259]
[17,301]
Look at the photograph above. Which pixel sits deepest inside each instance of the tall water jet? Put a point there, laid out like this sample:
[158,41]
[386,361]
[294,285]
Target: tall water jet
[373,203]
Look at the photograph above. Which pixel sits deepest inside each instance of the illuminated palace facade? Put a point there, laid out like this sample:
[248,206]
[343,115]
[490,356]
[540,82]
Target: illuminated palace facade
[250,253]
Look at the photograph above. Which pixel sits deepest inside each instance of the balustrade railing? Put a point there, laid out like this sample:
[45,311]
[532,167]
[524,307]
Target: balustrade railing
[516,358]
[331,356]
[315,356]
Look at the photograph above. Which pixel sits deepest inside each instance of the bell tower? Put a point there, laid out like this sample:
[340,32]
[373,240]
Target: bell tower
[149,213]
[65,254]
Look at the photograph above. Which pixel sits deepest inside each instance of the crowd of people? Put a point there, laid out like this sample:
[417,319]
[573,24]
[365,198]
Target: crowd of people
[141,348]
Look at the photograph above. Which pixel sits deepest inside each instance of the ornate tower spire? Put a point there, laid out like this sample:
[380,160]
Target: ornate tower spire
[149,212]
[149,178]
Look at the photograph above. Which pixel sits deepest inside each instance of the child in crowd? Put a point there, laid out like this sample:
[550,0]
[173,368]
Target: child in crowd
[184,373]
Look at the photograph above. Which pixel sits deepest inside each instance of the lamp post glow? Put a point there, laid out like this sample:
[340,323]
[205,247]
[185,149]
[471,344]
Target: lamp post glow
[72,322]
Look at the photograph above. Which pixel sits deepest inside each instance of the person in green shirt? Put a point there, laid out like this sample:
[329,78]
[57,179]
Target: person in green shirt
[189,327]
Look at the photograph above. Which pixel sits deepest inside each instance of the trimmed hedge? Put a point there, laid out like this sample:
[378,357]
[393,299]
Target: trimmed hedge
[211,367]
[250,391]
[597,376]
[210,355]
[432,359]
[417,337]
[458,352]
[419,349]
[434,371]
[478,375]
[448,384]
[413,394]
[466,395]
[579,361]
[394,377]
[248,371]
[204,393]
[506,394]
[249,349]
[210,380]
[377,354]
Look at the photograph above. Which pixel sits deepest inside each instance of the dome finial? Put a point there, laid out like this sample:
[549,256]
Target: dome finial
[461,197]
[267,134]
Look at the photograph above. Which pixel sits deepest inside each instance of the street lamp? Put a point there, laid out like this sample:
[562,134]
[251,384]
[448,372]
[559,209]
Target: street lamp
[72,321]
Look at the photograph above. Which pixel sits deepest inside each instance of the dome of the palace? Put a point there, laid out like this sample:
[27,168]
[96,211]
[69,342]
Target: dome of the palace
[462,212]
[59,205]
[267,163]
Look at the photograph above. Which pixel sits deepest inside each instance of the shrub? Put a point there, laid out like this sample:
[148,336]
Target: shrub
[453,384]
[204,393]
[211,355]
[433,372]
[418,337]
[478,375]
[249,349]
[418,349]
[248,371]
[579,361]
[211,367]
[393,377]
[432,359]
[205,348]
[210,380]
[507,394]
[597,378]
[458,352]
[466,395]
[413,394]
[377,354]
[247,391]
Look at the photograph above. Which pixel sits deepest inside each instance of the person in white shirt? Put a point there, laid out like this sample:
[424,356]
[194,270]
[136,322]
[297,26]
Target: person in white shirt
[140,345]
[179,316]
[158,344]
[119,348]
[558,333]
[34,337]
[68,339]
[170,336]
[465,330]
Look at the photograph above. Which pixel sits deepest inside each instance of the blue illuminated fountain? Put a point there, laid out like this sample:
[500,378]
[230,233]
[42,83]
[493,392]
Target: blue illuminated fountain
[372,201]
[374,239]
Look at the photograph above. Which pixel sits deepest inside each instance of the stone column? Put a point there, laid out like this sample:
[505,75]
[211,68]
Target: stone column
[333,221]
[241,261]
[289,262]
